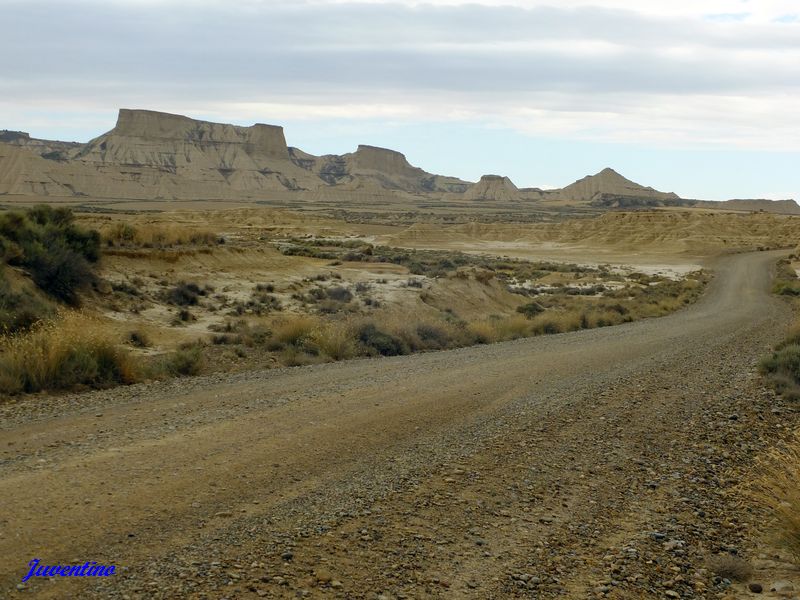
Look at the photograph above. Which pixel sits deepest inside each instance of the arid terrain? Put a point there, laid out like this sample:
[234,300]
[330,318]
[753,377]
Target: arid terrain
[584,464]
[236,370]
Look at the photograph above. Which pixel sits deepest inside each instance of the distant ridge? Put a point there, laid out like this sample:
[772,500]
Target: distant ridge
[155,155]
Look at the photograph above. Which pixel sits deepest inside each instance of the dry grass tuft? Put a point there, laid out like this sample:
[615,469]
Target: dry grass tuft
[73,350]
[125,235]
[295,330]
[335,340]
[778,490]
[731,567]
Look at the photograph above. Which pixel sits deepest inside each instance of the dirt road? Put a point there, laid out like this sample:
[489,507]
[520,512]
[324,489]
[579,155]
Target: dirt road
[597,463]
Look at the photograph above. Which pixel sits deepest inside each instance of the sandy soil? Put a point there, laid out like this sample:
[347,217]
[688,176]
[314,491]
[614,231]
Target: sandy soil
[596,464]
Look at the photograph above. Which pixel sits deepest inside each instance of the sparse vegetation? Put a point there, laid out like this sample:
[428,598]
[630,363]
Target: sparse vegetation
[781,369]
[777,488]
[185,294]
[786,281]
[46,244]
[187,360]
[731,567]
[158,236]
[72,351]
[139,339]
[21,308]
[324,317]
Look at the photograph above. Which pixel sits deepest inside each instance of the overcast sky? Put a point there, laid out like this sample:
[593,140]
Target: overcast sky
[701,97]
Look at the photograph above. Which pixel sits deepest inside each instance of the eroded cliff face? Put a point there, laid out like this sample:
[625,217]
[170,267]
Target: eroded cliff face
[154,155]
[374,168]
[186,158]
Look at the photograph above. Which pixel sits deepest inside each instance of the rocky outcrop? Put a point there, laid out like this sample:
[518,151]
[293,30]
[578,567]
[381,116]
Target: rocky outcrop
[610,184]
[371,167]
[51,149]
[493,188]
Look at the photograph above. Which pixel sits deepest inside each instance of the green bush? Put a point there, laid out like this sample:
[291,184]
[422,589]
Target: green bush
[433,336]
[531,309]
[45,242]
[184,362]
[380,342]
[787,288]
[185,294]
[785,361]
[20,310]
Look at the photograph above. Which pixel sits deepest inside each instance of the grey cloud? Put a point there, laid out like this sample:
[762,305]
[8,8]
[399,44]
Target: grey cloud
[270,51]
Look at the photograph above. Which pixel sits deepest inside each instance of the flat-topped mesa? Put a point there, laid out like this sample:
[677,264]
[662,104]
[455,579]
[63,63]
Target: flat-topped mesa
[14,136]
[380,159]
[265,140]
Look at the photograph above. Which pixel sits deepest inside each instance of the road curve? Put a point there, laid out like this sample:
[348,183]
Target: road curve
[204,487]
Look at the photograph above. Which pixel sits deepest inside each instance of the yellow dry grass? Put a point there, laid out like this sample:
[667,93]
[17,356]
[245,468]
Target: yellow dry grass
[777,488]
[73,349]
[156,235]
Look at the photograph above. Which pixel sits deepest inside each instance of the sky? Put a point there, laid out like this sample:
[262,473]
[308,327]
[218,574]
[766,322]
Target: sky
[700,97]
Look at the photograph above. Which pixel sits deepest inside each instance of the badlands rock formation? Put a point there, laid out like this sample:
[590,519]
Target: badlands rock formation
[20,138]
[608,184]
[493,188]
[373,167]
[152,155]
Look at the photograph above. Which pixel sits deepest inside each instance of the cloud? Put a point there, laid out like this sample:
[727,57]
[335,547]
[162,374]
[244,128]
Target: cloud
[672,73]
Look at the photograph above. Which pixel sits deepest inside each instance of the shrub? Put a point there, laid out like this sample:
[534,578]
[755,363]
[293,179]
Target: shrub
[61,354]
[184,361]
[329,307]
[294,331]
[484,276]
[185,294]
[482,332]
[126,235]
[60,272]
[20,310]
[787,288]
[433,336]
[335,340]
[56,253]
[139,339]
[792,337]
[292,356]
[380,342]
[731,567]
[785,361]
[531,309]
[511,328]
